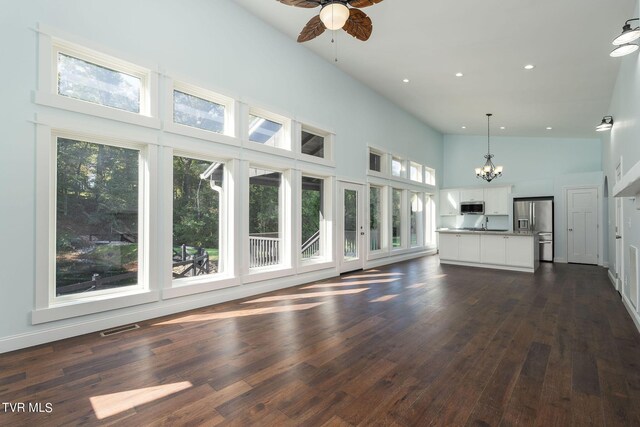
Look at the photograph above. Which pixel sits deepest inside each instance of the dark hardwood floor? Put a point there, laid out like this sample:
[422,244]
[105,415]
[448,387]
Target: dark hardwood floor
[414,343]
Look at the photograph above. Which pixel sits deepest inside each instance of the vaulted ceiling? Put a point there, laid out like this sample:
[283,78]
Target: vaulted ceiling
[489,42]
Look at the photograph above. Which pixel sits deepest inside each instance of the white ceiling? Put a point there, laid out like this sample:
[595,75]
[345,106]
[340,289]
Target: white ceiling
[429,41]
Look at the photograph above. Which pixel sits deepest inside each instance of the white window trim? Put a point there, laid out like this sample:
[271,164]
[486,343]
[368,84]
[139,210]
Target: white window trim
[329,141]
[384,163]
[50,44]
[48,307]
[284,143]
[192,285]
[420,170]
[327,259]
[232,107]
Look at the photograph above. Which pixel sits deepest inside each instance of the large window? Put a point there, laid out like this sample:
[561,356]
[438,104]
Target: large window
[415,219]
[375,218]
[396,218]
[265,245]
[197,205]
[312,203]
[97,217]
[99,84]
[197,112]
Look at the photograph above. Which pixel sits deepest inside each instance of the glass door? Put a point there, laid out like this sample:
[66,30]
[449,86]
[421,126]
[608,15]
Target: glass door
[352,233]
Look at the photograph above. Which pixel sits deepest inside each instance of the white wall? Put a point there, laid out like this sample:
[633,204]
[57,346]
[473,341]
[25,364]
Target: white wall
[533,166]
[624,141]
[211,43]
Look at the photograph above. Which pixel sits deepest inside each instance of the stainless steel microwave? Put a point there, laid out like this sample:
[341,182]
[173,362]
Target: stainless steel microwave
[472,208]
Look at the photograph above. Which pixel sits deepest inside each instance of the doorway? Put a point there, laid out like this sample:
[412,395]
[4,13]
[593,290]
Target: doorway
[582,225]
[351,238]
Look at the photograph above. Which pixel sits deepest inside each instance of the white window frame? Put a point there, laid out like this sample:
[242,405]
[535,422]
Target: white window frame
[285,216]
[326,258]
[384,219]
[51,44]
[48,306]
[329,139]
[283,143]
[211,282]
[418,167]
[231,106]
[384,163]
[420,219]
[404,226]
[403,168]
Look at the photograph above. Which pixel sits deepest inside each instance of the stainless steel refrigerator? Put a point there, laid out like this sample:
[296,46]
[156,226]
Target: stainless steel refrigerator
[536,214]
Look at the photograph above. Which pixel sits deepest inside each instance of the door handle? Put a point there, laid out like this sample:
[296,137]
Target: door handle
[571,229]
[618,237]
[362,233]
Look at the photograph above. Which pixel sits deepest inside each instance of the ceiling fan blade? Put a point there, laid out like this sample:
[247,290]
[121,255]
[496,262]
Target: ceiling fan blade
[307,4]
[358,25]
[363,3]
[313,29]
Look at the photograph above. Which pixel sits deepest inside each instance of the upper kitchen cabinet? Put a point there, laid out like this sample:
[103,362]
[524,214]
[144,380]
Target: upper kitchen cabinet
[496,201]
[471,195]
[449,202]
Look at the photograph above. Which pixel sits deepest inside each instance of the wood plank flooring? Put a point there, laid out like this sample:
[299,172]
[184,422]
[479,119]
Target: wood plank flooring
[414,343]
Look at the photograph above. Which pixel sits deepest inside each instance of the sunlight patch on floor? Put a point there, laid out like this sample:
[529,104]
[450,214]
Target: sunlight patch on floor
[346,283]
[358,276]
[239,313]
[384,298]
[309,295]
[108,405]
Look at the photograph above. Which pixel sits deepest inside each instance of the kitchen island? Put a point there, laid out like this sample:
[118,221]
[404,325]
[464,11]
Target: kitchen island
[506,250]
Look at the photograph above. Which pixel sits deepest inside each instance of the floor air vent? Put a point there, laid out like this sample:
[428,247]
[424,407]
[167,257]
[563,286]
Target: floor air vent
[119,330]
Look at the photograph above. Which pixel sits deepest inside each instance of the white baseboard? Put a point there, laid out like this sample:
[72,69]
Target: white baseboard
[605,264]
[373,263]
[494,266]
[613,280]
[632,312]
[173,306]
[560,260]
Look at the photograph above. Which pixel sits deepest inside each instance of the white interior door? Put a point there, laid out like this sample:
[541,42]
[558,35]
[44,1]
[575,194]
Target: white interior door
[351,225]
[618,233]
[582,221]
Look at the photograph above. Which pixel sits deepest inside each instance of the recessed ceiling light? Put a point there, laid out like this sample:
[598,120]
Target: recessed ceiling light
[405,80]
[464,127]
[549,128]
[459,74]
[529,67]
[502,127]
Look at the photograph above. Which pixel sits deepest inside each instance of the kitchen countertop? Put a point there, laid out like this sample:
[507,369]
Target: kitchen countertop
[502,233]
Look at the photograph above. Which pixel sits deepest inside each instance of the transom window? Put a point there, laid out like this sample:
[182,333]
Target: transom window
[99,83]
[97,217]
[268,129]
[312,144]
[375,161]
[197,208]
[396,166]
[415,172]
[197,112]
[429,176]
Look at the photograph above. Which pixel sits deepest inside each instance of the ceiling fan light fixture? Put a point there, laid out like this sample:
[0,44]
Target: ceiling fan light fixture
[628,34]
[624,49]
[334,15]
[606,124]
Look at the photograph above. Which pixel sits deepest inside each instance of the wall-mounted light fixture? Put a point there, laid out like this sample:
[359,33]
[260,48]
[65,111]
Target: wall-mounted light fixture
[623,41]
[607,124]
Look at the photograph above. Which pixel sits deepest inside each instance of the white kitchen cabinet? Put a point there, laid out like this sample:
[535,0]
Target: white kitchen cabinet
[494,249]
[519,251]
[459,247]
[496,201]
[469,247]
[471,195]
[448,246]
[449,202]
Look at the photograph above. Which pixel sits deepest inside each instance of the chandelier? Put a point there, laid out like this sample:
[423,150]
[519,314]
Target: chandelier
[489,171]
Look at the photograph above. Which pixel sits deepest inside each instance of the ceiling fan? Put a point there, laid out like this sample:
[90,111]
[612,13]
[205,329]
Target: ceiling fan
[335,14]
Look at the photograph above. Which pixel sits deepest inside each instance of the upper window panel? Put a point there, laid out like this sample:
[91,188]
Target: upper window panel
[429,176]
[375,162]
[396,166]
[190,110]
[312,144]
[265,131]
[415,172]
[86,81]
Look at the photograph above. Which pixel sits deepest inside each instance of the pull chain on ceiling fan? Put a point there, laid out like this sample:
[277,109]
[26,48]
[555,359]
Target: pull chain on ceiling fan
[335,14]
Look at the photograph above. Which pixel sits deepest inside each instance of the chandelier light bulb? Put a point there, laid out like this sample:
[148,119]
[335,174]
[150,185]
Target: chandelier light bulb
[334,15]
